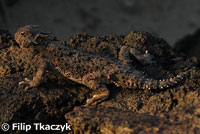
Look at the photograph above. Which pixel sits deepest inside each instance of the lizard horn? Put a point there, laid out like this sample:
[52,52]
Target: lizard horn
[34,40]
[44,34]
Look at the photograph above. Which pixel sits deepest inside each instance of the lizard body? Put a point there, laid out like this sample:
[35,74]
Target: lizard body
[91,70]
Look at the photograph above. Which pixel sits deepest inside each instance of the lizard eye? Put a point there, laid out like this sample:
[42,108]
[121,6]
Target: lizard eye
[23,33]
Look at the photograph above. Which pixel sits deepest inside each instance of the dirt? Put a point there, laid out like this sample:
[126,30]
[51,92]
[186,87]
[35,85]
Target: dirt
[58,100]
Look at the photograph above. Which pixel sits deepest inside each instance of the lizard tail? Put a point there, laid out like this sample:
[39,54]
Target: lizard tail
[145,83]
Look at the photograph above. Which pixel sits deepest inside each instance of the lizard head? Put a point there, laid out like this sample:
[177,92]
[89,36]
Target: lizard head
[27,36]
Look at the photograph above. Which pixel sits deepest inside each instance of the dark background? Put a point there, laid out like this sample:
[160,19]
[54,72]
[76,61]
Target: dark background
[171,19]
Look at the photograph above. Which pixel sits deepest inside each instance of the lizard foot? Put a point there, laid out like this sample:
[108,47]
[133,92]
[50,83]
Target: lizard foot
[96,99]
[91,81]
[31,83]
[26,81]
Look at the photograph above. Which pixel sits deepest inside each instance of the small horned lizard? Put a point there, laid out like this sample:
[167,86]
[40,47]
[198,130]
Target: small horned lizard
[93,71]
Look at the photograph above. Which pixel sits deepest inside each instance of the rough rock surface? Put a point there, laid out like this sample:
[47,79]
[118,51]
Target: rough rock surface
[57,101]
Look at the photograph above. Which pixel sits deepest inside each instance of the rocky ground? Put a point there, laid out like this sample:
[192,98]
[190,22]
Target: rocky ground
[59,100]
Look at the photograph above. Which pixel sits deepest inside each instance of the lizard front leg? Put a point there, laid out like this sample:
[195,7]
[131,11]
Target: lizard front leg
[37,79]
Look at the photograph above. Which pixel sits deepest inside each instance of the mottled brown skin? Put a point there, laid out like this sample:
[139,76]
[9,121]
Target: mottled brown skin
[91,70]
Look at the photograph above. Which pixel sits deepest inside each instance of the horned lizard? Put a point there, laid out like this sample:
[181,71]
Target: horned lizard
[91,70]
